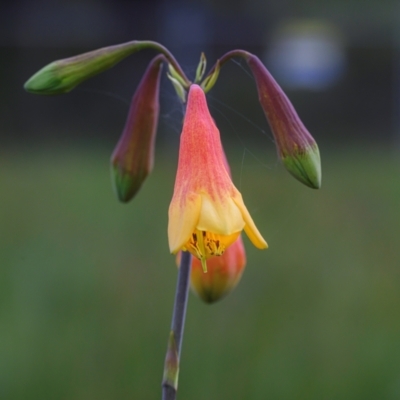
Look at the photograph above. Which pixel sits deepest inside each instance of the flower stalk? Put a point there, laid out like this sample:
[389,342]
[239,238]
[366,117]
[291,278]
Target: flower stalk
[171,366]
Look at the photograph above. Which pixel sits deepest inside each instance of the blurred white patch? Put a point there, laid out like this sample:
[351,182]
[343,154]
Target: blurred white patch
[306,55]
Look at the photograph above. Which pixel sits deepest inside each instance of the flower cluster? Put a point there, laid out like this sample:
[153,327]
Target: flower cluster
[207,213]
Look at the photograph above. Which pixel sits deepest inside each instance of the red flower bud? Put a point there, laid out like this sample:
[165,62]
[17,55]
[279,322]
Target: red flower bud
[224,273]
[296,147]
[133,157]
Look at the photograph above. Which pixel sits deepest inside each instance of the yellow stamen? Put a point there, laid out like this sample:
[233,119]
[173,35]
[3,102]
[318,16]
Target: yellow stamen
[201,249]
[204,245]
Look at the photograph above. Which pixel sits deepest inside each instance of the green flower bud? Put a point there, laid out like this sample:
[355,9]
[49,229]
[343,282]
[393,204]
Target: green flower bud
[63,75]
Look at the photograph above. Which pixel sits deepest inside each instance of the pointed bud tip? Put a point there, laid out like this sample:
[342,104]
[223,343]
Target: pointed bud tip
[305,166]
[125,185]
[46,82]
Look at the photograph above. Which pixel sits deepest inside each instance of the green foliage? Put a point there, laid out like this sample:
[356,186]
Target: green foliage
[87,285]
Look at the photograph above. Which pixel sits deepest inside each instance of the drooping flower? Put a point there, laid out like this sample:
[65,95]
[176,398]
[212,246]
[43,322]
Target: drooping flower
[296,147]
[207,212]
[133,157]
[223,272]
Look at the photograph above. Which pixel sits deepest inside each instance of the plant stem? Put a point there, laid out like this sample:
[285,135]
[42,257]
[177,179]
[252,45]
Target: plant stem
[168,55]
[171,366]
[226,57]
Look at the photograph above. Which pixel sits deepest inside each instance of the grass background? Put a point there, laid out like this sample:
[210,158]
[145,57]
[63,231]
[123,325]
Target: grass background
[87,284]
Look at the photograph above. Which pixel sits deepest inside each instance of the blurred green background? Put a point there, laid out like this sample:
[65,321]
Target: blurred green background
[87,284]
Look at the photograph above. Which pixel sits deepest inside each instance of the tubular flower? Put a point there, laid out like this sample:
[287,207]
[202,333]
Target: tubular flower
[207,212]
[224,272]
[133,157]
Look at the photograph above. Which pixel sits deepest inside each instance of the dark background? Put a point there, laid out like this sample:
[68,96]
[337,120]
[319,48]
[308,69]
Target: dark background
[361,104]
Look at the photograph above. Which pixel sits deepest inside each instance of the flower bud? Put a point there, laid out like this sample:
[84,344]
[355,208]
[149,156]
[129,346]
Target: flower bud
[223,273]
[133,157]
[296,147]
[63,75]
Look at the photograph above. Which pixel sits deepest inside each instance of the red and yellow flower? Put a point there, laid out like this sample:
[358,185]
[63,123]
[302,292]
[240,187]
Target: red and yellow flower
[207,212]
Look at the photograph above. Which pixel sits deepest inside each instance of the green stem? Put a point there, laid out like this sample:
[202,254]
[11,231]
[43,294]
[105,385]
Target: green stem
[226,57]
[168,55]
[171,367]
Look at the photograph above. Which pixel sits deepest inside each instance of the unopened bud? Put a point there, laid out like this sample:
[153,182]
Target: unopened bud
[63,75]
[223,273]
[133,157]
[296,147]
